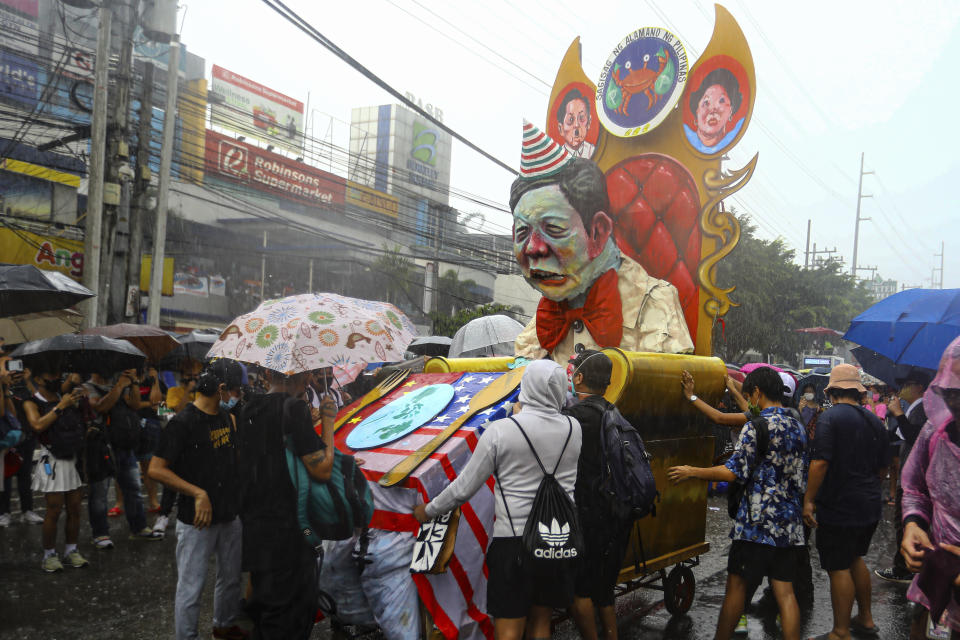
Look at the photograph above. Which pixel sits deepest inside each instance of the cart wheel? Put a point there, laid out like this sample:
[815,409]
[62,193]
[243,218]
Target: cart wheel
[679,588]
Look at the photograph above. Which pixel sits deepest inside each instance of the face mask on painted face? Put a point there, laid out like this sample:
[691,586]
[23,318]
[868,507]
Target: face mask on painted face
[876,397]
[229,404]
[808,397]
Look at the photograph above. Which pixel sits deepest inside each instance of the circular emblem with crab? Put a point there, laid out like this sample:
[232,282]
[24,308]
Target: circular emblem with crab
[641,82]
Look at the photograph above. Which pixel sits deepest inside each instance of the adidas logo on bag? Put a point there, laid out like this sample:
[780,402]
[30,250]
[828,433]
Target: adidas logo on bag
[554,536]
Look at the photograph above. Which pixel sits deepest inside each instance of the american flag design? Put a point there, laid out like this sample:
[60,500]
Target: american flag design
[456,599]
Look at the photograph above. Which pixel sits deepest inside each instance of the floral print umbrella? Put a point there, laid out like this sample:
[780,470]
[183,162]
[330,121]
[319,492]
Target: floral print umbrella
[316,331]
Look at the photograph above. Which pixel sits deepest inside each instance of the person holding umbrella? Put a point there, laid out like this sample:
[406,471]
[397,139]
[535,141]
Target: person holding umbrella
[60,425]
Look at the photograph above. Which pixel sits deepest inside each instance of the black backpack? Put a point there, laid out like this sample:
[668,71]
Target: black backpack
[123,426]
[98,460]
[552,539]
[626,479]
[736,489]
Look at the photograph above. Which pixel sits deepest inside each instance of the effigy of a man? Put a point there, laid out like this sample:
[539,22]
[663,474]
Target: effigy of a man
[593,296]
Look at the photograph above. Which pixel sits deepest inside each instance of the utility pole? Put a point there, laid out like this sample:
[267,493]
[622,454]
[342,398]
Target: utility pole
[856,228]
[92,237]
[163,190]
[806,253]
[141,183]
[814,261]
[939,255]
[117,173]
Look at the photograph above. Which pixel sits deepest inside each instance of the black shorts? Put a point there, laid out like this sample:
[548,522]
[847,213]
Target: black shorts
[753,562]
[839,546]
[601,562]
[511,591]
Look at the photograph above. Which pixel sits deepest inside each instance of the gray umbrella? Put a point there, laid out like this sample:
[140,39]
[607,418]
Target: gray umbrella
[26,289]
[80,353]
[430,346]
[486,336]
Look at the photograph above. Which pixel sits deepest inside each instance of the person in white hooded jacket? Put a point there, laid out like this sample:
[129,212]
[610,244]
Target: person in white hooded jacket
[512,594]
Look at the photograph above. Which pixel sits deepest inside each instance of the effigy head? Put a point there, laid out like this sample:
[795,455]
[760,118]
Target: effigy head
[560,219]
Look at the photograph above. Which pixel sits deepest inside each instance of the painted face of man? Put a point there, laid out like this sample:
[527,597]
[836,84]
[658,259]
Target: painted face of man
[551,244]
[713,114]
[576,121]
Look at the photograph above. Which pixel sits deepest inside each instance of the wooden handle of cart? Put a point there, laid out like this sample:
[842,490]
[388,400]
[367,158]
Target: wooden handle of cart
[382,389]
[489,395]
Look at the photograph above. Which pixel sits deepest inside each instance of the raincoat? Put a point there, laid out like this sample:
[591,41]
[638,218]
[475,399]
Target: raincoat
[931,477]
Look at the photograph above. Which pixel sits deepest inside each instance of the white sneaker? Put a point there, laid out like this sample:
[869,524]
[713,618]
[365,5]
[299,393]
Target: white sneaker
[160,526]
[5,520]
[31,518]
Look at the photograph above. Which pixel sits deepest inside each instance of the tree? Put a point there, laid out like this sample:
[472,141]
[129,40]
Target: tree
[776,296]
[447,325]
[395,273]
[454,293]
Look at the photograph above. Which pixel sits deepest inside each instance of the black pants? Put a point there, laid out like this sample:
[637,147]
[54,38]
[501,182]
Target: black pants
[283,604]
[899,564]
[803,577]
[24,479]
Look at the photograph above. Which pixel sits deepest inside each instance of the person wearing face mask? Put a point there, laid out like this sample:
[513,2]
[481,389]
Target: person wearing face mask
[605,539]
[197,456]
[931,504]
[768,532]
[810,409]
[60,426]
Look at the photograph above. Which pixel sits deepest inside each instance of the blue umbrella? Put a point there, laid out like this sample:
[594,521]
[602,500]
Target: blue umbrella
[883,368]
[912,327]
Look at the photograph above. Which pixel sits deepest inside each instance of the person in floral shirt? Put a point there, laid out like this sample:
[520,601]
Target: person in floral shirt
[768,528]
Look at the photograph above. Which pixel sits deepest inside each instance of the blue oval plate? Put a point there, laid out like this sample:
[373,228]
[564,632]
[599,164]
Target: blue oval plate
[402,416]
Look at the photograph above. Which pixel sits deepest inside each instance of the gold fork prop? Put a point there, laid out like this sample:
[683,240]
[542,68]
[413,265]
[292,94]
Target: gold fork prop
[386,386]
[488,396]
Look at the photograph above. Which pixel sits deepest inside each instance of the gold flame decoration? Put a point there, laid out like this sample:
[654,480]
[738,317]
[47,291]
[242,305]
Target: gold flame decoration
[719,230]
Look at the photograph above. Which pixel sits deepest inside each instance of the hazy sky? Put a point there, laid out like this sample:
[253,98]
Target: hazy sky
[834,78]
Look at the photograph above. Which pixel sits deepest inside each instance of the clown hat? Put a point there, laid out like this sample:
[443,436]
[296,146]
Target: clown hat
[540,156]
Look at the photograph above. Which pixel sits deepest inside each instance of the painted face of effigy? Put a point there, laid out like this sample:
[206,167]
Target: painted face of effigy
[551,243]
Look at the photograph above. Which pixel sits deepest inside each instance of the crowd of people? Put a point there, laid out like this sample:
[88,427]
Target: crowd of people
[75,435]
[811,468]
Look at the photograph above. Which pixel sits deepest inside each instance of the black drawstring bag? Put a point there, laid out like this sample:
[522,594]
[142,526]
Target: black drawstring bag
[552,539]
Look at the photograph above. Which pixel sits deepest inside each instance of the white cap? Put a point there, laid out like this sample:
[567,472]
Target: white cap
[789,383]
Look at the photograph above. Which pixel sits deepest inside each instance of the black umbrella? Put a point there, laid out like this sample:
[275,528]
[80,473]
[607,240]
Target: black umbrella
[26,289]
[883,368]
[77,353]
[193,346]
[819,382]
[430,346]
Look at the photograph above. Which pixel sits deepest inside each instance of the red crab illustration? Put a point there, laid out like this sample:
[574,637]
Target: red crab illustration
[640,81]
[656,207]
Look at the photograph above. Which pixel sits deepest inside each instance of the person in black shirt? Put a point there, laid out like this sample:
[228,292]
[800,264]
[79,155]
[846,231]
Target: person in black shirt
[605,537]
[850,455]
[197,456]
[282,566]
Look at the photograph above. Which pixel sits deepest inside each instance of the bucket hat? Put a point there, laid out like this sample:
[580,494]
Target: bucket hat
[845,376]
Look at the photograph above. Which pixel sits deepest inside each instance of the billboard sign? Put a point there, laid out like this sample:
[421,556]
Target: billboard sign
[372,200]
[18,25]
[19,79]
[256,111]
[271,172]
[43,252]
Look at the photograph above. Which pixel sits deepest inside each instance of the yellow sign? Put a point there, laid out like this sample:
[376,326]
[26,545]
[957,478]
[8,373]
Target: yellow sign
[44,252]
[146,268]
[36,171]
[372,200]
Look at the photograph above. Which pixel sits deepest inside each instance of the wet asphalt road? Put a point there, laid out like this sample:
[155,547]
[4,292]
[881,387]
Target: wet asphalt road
[128,592]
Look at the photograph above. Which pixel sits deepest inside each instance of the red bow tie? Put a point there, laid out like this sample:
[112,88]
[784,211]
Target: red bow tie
[602,315]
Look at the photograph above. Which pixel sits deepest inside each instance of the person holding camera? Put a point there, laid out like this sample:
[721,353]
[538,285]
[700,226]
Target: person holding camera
[116,406]
[55,416]
[12,382]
